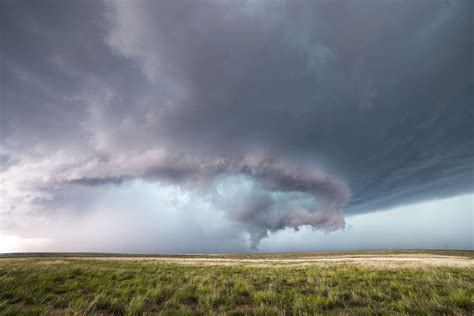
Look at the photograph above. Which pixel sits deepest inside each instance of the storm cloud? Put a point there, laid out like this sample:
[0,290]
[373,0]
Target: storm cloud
[280,114]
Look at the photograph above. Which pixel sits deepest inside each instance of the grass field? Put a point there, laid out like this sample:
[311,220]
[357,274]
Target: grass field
[281,284]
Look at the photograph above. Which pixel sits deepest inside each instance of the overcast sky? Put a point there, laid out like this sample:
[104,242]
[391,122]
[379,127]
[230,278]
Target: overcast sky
[223,126]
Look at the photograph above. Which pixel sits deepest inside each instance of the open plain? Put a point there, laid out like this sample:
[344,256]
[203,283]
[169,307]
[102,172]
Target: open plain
[377,282]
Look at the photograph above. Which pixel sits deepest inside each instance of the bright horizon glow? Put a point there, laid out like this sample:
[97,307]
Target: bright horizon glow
[8,243]
[14,243]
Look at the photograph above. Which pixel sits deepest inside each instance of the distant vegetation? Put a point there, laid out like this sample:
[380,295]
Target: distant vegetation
[97,286]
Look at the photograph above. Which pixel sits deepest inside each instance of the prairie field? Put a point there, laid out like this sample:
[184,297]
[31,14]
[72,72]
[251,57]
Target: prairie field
[361,283]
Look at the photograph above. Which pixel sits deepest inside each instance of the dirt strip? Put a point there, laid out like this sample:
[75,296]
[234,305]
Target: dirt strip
[382,261]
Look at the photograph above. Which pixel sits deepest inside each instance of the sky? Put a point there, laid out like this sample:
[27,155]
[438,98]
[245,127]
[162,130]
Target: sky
[233,126]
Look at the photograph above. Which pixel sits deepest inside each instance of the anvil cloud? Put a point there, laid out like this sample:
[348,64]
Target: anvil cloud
[277,114]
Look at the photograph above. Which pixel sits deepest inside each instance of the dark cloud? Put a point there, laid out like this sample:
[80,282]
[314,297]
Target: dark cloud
[357,106]
[379,92]
[98,181]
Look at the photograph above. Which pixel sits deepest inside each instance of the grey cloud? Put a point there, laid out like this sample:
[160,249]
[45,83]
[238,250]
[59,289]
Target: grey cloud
[379,93]
[98,181]
[194,173]
[373,98]
[258,212]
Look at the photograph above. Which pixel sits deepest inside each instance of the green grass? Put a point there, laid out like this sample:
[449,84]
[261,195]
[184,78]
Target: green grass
[88,286]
